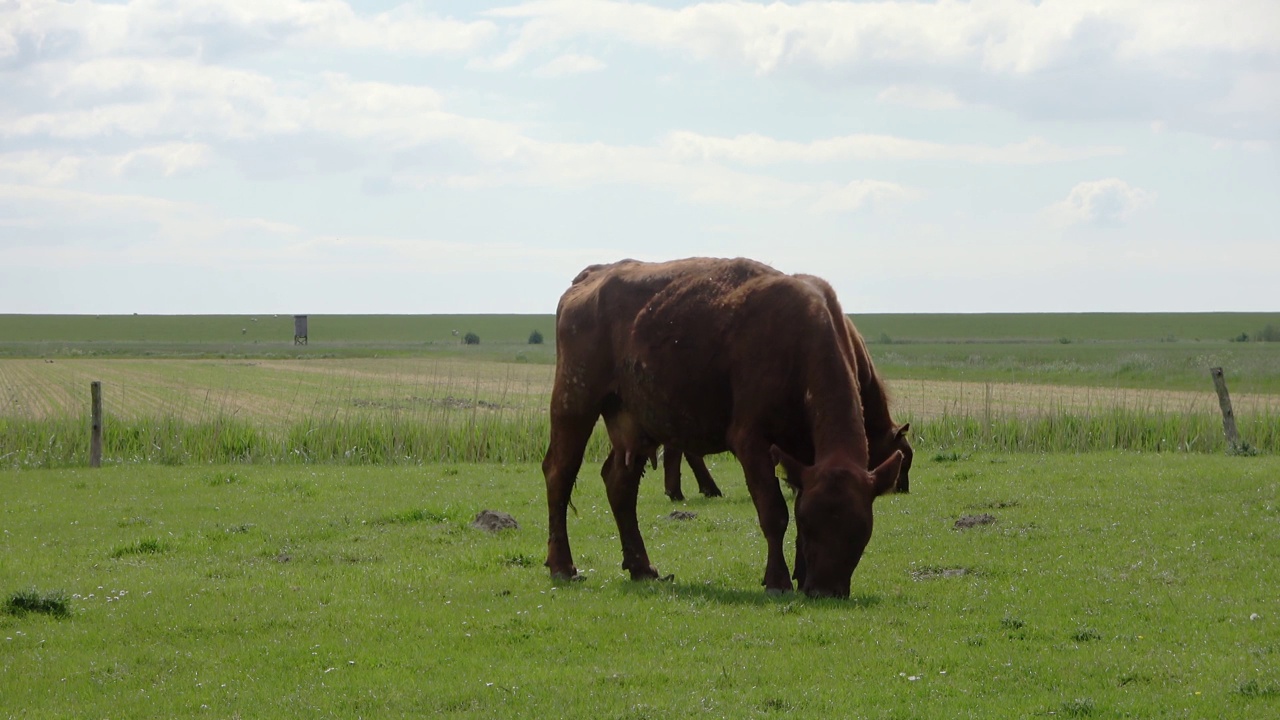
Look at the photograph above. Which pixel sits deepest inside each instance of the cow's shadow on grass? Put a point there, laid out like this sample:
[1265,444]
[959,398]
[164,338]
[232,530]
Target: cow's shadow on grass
[737,595]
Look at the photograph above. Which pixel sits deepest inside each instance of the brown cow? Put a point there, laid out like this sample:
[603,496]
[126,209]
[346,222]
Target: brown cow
[671,457]
[883,436]
[712,355]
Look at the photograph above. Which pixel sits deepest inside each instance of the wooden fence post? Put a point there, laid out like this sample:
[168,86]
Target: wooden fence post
[95,431]
[1228,417]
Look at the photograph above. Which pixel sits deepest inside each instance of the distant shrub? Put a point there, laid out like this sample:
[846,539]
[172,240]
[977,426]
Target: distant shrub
[471,339]
[535,338]
[1270,333]
[1064,341]
[885,339]
[1242,337]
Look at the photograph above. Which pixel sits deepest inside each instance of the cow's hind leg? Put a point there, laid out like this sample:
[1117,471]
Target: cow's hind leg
[706,485]
[621,473]
[671,472]
[569,436]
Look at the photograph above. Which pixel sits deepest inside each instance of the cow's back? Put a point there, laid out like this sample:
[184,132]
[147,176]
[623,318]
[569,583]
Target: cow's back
[686,344]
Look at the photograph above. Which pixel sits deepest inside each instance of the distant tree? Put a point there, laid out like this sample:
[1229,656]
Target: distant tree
[471,339]
[1270,333]
[1242,337]
[535,338]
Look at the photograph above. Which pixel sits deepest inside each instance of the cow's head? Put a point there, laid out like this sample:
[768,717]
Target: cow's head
[895,440]
[833,519]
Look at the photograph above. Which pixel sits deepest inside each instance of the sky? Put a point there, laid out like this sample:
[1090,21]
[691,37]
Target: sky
[293,156]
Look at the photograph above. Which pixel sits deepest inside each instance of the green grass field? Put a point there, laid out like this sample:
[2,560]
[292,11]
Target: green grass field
[282,531]
[1109,585]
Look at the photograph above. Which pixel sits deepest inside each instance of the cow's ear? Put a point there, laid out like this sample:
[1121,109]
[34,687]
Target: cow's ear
[885,477]
[795,469]
[902,431]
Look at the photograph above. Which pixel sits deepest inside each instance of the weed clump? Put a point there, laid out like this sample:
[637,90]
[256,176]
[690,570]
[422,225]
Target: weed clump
[1253,689]
[1242,449]
[1080,707]
[145,546]
[414,516]
[1086,635]
[31,600]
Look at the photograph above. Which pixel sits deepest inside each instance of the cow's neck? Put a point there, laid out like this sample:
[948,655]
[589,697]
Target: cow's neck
[835,413]
[875,403]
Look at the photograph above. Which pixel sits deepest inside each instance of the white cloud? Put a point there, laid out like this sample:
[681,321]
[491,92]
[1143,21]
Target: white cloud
[43,167]
[755,149]
[1105,59]
[1014,36]
[534,163]
[570,64]
[204,28]
[920,97]
[180,234]
[182,112]
[174,99]
[178,228]
[1100,203]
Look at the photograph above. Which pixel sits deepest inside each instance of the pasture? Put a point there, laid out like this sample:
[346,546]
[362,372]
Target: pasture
[282,530]
[1105,585]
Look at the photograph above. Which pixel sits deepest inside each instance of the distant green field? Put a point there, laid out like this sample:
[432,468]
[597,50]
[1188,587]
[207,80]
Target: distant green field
[272,335]
[1136,350]
[407,330]
[1058,327]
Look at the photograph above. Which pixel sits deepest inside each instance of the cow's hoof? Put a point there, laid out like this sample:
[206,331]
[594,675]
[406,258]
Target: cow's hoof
[569,575]
[645,572]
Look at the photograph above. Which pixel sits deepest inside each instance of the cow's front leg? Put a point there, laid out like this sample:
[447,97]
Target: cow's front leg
[801,565]
[771,508]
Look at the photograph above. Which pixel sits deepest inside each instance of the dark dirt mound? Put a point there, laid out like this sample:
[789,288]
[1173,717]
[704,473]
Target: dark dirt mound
[493,521]
[968,521]
[682,515]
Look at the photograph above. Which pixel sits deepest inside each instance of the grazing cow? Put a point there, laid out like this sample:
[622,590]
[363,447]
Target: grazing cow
[883,436]
[712,355]
[671,457]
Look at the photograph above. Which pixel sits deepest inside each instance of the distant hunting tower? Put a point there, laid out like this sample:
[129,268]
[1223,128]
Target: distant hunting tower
[299,329]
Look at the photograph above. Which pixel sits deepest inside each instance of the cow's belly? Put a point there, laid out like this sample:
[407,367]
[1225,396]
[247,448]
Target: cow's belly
[677,403]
